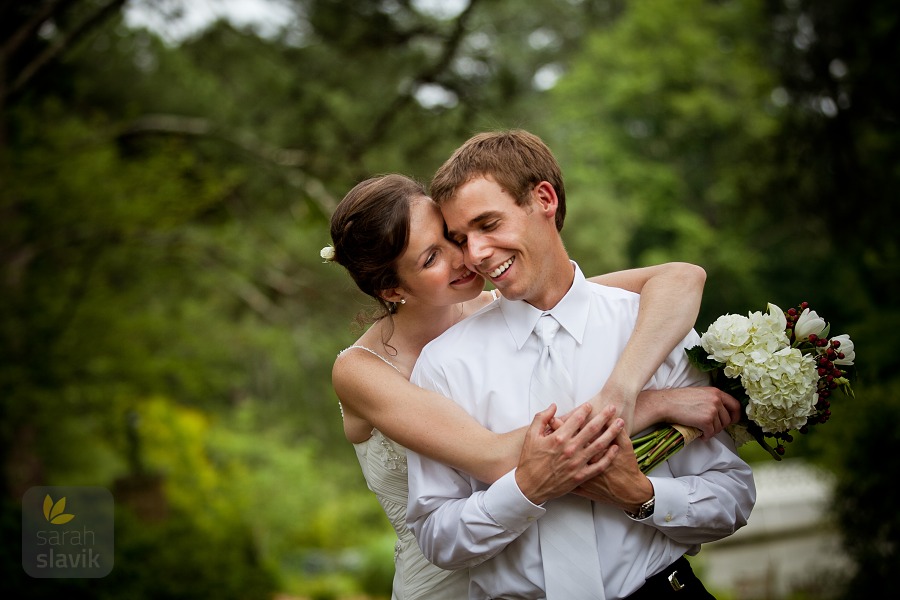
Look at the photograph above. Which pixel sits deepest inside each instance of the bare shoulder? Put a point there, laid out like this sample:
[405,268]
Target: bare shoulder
[359,358]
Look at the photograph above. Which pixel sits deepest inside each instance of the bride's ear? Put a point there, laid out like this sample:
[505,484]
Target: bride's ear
[392,295]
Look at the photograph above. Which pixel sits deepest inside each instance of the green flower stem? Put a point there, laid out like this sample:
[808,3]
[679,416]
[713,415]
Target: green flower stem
[761,440]
[654,448]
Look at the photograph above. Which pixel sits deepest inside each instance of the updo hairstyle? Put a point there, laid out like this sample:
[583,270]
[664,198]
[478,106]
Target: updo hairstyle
[370,230]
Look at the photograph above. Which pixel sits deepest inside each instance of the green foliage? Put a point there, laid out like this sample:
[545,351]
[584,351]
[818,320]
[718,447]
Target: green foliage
[180,558]
[680,127]
[732,134]
[176,558]
[863,457]
[163,309]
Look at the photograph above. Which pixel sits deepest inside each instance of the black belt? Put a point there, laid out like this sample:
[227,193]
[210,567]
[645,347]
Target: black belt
[677,580]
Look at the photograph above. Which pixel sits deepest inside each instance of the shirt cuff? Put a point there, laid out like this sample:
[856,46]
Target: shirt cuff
[671,505]
[508,506]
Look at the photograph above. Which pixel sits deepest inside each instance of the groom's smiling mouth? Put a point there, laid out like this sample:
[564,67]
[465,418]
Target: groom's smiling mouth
[501,269]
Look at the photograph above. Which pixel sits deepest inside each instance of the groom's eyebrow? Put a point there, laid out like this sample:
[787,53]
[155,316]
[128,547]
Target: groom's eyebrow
[480,219]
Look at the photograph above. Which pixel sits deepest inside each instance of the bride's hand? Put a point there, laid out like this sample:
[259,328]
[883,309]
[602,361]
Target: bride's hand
[617,398]
[709,409]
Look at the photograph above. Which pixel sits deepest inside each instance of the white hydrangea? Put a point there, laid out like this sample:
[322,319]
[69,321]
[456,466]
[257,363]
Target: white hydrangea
[781,389]
[726,337]
[767,333]
[735,340]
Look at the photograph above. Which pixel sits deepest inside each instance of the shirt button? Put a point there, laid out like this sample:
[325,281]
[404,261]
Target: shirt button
[669,517]
[530,519]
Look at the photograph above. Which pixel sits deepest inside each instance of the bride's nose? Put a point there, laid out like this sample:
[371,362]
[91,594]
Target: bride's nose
[459,257]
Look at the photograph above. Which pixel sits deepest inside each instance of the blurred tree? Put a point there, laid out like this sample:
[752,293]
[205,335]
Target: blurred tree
[162,208]
[163,203]
[759,139]
[666,127]
[36,35]
[838,153]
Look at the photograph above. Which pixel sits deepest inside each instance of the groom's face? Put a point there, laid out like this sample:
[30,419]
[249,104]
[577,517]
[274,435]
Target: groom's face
[501,240]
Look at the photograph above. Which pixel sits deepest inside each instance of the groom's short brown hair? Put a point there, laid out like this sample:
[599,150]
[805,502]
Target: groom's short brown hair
[516,159]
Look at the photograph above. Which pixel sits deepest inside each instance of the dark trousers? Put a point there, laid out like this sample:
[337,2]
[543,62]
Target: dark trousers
[676,581]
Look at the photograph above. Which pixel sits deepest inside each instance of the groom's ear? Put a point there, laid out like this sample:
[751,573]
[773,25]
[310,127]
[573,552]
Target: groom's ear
[546,199]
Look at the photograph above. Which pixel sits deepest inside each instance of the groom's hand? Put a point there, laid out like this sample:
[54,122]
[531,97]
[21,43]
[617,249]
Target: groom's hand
[558,456]
[621,484]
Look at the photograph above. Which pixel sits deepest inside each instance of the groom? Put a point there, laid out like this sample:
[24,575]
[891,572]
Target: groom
[503,200]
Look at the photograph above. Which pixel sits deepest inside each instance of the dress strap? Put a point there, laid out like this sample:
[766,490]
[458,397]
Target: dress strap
[370,351]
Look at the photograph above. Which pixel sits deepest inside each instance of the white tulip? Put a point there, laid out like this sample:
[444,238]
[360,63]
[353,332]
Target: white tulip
[846,348]
[808,323]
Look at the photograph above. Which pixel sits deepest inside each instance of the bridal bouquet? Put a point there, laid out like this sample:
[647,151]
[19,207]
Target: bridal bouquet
[781,366]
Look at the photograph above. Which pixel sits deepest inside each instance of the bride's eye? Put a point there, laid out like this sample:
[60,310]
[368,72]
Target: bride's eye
[430,260]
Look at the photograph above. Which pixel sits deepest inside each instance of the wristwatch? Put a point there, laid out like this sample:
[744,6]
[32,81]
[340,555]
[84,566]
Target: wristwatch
[645,510]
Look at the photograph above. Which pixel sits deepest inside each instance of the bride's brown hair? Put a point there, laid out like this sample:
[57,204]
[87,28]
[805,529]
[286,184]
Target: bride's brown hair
[370,230]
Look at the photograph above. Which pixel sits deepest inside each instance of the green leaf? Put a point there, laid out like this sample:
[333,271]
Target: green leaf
[700,359]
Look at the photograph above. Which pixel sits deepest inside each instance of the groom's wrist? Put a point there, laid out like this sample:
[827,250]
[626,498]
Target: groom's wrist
[644,493]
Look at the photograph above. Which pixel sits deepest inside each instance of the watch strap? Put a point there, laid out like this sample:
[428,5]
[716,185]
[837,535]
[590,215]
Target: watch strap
[645,510]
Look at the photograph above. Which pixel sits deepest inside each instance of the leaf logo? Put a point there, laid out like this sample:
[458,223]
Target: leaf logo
[53,511]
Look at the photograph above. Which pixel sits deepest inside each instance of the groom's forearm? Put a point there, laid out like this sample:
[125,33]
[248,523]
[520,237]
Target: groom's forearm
[457,527]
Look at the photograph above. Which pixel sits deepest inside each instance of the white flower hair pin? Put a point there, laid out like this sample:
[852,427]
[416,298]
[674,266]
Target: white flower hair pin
[327,253]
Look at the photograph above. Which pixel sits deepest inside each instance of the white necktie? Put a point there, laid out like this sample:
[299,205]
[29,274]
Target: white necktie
[566,532]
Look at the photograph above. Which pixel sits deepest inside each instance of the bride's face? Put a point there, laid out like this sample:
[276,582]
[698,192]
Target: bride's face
[432,268]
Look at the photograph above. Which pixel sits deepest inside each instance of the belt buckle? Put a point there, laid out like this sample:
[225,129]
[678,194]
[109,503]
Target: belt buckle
[673,581]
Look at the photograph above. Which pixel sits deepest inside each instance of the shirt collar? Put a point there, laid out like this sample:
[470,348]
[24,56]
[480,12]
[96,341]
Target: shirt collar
[571,312]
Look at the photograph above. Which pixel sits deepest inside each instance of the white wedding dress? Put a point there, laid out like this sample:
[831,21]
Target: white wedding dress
[383,464]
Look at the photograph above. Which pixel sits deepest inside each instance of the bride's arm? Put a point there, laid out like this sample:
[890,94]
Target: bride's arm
[670,302]
[421,420]
[435,426]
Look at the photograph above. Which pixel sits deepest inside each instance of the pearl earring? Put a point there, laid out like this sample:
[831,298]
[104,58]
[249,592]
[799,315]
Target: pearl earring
[402,300]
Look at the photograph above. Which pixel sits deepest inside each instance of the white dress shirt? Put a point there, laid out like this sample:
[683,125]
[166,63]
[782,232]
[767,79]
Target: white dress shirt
[703,493]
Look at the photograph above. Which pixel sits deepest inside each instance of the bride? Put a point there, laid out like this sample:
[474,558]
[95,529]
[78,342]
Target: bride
[389,236]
